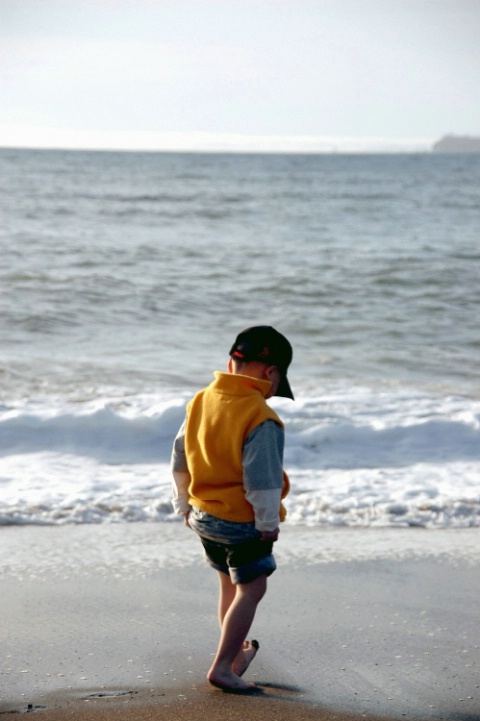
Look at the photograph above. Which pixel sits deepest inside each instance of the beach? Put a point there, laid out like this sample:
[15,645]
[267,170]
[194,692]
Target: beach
[119,621]
[127,277]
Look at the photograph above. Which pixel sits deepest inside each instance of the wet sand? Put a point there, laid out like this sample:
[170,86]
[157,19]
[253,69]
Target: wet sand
[111,622]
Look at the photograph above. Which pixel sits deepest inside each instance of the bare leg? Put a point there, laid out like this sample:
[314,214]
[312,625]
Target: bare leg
[226,596]
[236,623]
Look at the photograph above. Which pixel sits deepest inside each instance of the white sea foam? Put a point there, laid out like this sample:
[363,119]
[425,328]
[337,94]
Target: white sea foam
[356,457]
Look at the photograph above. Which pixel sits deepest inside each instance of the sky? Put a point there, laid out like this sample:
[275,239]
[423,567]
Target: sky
[239,75]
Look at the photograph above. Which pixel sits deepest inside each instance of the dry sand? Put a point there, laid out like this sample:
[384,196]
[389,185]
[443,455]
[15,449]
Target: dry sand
[109,622]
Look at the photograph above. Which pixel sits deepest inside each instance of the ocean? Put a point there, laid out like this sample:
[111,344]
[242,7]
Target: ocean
[125,278]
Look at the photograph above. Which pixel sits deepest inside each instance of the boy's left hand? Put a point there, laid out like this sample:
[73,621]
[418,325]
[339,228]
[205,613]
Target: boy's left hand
[270,535]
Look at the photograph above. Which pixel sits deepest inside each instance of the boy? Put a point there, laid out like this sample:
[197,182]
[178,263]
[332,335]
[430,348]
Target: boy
[227,465]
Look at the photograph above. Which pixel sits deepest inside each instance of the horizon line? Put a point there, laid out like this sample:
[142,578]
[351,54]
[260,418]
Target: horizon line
[42,138]
[218,151]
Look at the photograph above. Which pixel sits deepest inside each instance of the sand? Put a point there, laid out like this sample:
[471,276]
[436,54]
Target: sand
[112,622]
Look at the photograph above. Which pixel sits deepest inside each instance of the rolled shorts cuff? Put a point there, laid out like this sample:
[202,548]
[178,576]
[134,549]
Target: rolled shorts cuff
[253,570]
[242,562]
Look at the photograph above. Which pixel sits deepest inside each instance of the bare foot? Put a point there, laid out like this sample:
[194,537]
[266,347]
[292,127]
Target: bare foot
[245,657]
[229,681]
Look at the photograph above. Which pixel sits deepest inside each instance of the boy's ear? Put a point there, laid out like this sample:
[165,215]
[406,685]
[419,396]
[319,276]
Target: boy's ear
[230,365]
[272,372]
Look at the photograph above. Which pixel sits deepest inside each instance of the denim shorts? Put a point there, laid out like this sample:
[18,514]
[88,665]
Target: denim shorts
[235,549]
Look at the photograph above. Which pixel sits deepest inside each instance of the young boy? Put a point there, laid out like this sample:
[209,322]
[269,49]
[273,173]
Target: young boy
[227,465]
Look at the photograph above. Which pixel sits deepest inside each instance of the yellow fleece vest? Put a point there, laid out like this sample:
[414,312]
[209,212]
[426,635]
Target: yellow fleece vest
[219,420]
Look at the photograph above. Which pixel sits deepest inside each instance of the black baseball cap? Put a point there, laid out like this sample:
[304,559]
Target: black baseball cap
[264,343]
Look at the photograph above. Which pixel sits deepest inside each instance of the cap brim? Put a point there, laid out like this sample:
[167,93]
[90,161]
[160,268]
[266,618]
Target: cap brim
[284,389]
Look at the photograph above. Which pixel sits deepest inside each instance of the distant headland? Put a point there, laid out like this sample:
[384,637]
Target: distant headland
[457,144]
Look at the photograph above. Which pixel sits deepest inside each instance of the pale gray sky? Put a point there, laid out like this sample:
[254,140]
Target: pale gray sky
[239,74]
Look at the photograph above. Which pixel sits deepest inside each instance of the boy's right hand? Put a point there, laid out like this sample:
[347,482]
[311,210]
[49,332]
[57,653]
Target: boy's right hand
[270,535]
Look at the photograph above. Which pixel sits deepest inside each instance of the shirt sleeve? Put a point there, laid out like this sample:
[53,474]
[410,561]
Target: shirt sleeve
[181,474]
[263,473]
[178,460]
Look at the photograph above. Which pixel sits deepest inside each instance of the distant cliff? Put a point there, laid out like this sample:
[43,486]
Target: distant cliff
[457,144]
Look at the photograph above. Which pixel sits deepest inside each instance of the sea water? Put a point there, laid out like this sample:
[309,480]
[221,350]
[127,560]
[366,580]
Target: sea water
[125,278]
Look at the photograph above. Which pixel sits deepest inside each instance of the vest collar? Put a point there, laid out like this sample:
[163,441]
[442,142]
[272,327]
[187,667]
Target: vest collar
[240,385]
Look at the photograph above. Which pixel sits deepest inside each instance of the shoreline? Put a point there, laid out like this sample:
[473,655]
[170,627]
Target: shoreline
[392,632]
